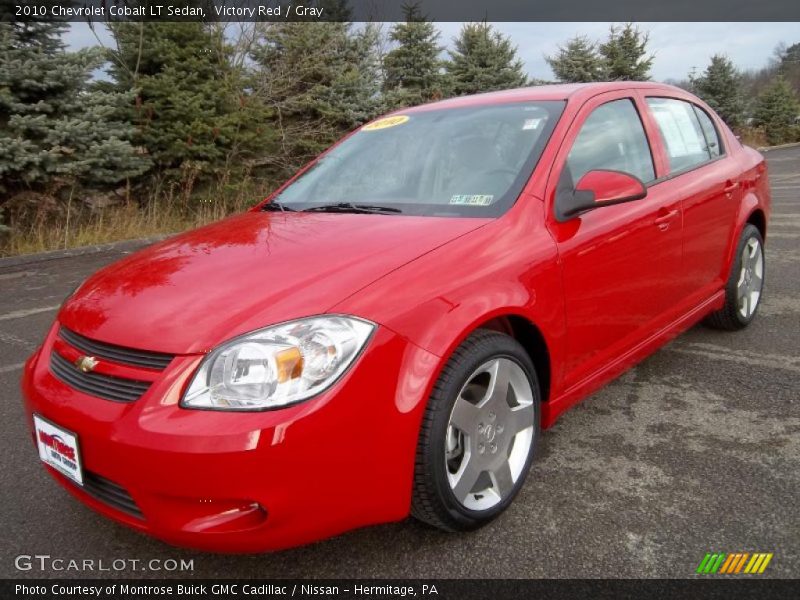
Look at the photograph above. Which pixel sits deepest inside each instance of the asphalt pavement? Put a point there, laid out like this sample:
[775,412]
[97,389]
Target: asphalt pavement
[695,450]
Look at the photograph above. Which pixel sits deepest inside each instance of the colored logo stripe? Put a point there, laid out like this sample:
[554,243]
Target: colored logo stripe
[734,563]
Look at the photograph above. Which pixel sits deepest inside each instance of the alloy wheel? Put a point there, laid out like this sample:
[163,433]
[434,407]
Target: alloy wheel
[489,434]
[751,278]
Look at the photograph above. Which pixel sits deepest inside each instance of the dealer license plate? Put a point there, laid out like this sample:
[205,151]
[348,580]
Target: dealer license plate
[58,448]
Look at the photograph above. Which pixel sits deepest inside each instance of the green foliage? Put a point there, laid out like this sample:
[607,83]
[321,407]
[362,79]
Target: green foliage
[55,127]
[412,70]
[483,60]
[789,65]
[777,111]
[188,101]
[318,80]
[622,57]
[577,62]
[625,54]
[720,87]
[196,103]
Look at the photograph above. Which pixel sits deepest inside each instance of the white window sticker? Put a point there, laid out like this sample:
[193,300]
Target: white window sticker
[472,199]
[678,130]
[531,124]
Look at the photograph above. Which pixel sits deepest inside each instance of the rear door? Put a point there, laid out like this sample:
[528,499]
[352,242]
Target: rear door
[618,262]
[700,170]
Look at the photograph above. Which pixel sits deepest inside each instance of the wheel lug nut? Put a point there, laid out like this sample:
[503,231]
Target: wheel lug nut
[499,429]
[480,428]
[492,416]
[480,448]
[493,448]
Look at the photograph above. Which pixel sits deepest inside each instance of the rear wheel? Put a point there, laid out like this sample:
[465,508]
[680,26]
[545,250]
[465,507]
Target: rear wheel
[745,284]
[478,435]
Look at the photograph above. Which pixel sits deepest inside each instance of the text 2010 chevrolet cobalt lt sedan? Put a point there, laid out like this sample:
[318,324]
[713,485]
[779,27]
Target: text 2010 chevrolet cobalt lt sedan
[389,332]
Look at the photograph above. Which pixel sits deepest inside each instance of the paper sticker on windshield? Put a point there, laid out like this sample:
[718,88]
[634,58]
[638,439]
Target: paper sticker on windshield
[472,199]
[531,124]
[385,123]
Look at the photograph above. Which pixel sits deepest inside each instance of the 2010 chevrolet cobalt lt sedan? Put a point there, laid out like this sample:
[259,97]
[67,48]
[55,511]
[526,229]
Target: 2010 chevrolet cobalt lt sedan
[390,331]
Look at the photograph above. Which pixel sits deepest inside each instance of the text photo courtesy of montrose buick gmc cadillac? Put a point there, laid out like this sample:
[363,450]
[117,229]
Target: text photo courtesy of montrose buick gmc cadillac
[390,331]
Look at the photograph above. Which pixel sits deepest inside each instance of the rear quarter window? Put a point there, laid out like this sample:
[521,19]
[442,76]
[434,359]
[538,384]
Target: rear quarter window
[713,141]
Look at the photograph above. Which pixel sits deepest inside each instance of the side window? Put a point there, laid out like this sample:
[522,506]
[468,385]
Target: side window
[683,136]
[710,132]
[613,138]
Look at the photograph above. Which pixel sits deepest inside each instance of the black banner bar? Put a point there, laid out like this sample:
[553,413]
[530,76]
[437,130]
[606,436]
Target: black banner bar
[438,589]
[392,10]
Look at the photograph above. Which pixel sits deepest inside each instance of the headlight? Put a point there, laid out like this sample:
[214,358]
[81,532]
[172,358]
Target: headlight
[278,365]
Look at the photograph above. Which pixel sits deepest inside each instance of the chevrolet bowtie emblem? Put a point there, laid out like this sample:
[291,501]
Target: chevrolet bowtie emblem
[86,363]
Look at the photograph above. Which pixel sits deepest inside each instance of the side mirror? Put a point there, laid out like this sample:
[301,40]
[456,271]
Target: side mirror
[599,188]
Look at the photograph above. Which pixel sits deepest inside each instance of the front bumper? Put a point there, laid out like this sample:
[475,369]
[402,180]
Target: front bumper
[246,482]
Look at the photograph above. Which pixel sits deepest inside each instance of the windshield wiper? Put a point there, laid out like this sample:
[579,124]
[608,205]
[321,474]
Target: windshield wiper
[277,206]
[349,207]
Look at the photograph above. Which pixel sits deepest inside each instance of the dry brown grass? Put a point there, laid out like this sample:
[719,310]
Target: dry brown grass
[112,225]
[752,136]
[169,213]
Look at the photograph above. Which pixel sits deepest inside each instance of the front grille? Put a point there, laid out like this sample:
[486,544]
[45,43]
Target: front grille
[110,493]
[117,354]
[96,384]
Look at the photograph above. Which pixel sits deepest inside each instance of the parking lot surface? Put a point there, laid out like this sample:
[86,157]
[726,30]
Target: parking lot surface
[695,450]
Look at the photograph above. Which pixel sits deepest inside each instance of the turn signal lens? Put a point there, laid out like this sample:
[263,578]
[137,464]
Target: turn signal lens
[290,364]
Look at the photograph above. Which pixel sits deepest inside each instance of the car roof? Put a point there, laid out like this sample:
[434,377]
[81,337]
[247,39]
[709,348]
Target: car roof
[563,91]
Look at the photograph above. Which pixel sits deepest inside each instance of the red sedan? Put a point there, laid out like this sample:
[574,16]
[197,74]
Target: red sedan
[390,331]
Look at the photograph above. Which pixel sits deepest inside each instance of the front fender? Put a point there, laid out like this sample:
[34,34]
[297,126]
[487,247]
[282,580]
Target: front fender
[509,267]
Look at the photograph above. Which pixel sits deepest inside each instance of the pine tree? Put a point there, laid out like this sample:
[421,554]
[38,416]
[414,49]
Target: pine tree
[625,54]
[412,69]
[55,128]
[577,62]
[720,87]
[777,111]
[319,80]
[186,107]
[789,65]
[483,60]
[355,93]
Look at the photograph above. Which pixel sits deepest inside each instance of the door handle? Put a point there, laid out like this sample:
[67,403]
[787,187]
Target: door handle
[664,217]
[730,186]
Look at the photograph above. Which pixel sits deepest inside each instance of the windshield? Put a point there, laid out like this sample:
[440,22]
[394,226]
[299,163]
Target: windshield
[471,161]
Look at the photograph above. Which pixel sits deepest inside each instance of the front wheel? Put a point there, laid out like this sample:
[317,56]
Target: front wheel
[478,435]
[745,284]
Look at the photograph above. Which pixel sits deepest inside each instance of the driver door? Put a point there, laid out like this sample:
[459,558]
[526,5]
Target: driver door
[618,262]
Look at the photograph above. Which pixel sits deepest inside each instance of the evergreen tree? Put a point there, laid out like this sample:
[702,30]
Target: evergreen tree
[319,80]
[356,91]
[412,69]
[577,62]
[483,60]
[625,54]
[720,87]
[55,128]
[777,111]
[186,107]
[789,65]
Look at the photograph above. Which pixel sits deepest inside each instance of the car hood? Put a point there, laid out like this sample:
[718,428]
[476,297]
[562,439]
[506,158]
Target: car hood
[191,292]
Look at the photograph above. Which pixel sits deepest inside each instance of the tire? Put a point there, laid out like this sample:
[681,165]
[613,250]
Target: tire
[478,435]
[745,279]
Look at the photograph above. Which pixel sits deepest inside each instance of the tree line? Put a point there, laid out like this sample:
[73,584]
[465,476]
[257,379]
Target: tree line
[766,99]
[191,114]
